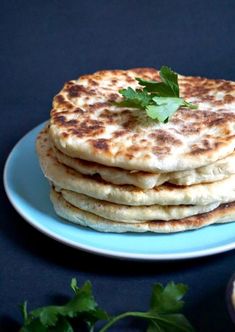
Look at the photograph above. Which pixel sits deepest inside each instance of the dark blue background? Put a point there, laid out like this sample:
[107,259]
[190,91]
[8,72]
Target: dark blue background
[45,43]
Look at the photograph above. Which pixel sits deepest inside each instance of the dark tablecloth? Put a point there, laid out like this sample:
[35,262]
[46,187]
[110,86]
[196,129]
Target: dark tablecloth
[45,43]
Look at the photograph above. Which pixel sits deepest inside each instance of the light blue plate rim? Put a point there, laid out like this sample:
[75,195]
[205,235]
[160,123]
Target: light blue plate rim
[28,192]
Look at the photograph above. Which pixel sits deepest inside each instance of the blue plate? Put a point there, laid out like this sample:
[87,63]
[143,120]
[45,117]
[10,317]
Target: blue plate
[28,192]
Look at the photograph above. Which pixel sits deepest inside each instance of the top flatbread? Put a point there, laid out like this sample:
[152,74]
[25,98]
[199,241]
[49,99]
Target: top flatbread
[85,123]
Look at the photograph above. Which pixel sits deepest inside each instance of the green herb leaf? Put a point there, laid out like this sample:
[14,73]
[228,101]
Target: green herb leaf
[154,87]
[62,325]
[167,88]
[23,309]
[170,78]
[164,314]
[160,100]
[168,299]
[74,285]
[134,98]
[154,326]
[34,326]
[82,305]
[164,108]
[166,303]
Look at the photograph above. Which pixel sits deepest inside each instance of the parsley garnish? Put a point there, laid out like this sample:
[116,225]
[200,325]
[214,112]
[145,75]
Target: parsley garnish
[59,318]
[164,314]
[160,100]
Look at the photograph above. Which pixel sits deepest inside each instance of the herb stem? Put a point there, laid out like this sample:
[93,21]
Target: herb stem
[124,315]
[190,105]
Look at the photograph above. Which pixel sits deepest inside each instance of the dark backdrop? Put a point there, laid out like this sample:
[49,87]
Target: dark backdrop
[45,43]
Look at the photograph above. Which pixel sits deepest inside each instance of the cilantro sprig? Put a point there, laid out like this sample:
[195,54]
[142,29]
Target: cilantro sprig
[59,318]
[164,314]
[160,100]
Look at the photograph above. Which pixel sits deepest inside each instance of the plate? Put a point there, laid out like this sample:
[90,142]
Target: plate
[28,191]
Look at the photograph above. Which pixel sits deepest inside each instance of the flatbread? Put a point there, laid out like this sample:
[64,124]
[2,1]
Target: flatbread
[217,171]
[167,194]
[223,214]
[86,124]
[113,175]
[133,214]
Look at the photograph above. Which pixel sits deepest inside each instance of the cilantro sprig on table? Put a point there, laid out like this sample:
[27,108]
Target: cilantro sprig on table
[164,314]
[160,100]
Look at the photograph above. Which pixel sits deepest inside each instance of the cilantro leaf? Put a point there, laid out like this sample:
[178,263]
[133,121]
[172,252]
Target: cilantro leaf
[166,303]
[62,325]
[33,326]
[170,78]
[160,100]
[164,108]
[168,299]
[134,98]
[159,88]
[167,88]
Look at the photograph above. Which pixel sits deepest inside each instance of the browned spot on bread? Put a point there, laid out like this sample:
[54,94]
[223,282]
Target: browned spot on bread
[88,128]
[60,119]
[76,90]
[161,137]
[92,82]
[228,99]
[101,144]
[113,97]
[130,79]
[78,111]
[59,99]
[119,133]
[95,106]
[72,122]
[147,73]
[60,102]
[160,150]
[130,122]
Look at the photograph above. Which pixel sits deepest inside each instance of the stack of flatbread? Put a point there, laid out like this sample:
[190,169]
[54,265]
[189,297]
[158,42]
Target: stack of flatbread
[114,169]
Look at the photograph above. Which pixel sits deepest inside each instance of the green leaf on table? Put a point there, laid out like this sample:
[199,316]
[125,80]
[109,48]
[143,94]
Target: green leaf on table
[168,299]
[82,305]
[166,304]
